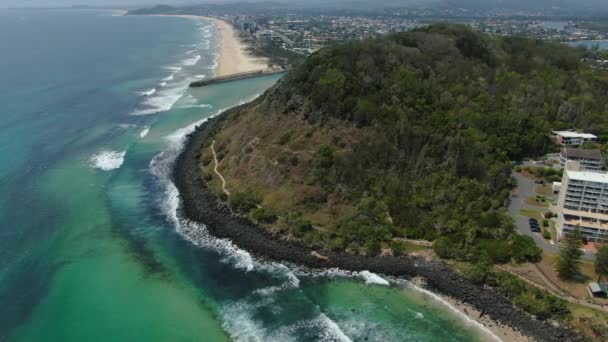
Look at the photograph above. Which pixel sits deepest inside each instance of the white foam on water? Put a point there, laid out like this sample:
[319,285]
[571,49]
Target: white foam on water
[144,132]
[215,62]
[331,273]
[200,76]
[173,68]
[161,167]
[108,160]
[190,52]
[239,322]
[468,320]
[148,92]
[191,61]
[126,126]
[162,100]
[372,278]
[162,84]
[189,101]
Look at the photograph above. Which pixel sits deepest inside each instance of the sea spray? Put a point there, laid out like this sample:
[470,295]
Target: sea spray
[108,160]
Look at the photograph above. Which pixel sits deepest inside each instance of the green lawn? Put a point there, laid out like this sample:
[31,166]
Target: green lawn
[537,214]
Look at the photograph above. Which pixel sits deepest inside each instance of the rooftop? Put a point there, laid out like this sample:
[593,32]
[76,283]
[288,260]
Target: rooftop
[599,177]
[581,153]
[570,134]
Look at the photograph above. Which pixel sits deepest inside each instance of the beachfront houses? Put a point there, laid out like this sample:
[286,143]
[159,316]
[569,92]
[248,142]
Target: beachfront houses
[590,160]
[583,203]
[571,138]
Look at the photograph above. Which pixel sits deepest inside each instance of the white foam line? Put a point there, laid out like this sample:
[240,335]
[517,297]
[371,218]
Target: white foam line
[465,317]
[372,278]
[144,132]
[148,92]
[191,61]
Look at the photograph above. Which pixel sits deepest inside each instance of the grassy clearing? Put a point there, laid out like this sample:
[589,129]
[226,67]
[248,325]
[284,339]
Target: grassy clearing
[533,201]
[544,190]
[533,213]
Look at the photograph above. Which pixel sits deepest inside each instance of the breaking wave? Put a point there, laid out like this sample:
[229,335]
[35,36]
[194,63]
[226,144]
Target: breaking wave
[144,132]
[162,100]
[148,92]
[108,160]
[191,61]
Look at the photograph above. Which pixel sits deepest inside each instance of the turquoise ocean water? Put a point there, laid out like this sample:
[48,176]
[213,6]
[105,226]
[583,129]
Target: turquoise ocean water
[93,110]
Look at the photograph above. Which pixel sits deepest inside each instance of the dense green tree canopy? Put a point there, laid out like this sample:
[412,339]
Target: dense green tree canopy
[451,109]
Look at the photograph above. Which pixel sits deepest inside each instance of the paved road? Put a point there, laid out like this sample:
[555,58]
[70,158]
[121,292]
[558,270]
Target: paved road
[525,188]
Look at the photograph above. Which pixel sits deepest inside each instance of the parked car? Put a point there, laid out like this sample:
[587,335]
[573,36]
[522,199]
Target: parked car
[534,225]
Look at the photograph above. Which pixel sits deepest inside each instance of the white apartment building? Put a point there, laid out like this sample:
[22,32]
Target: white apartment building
[583,203]
[570,138]
[591,160]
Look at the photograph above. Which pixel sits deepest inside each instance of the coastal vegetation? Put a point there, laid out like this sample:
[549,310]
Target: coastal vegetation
[533,300]
[568,262]
[409,136]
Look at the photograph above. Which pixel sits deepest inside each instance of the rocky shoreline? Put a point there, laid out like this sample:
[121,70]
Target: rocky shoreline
[199,204]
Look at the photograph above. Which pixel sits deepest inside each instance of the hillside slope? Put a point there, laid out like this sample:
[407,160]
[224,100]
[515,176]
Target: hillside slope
[410,136]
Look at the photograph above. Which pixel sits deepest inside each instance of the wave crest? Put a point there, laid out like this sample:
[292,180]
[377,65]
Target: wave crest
[108,160]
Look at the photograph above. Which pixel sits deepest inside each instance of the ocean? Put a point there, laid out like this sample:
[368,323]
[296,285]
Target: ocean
[590,44]
[94,110]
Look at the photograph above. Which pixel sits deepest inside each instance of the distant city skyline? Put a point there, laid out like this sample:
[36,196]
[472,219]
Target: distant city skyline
[486,4]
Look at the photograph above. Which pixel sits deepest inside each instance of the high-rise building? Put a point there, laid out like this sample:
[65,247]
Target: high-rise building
[583,203]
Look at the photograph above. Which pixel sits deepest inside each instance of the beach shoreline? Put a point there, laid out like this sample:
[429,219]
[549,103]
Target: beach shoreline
[483,305]
[233,57]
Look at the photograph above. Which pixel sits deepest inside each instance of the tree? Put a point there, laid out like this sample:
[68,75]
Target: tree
[568,262]
[601,262]
[524,249]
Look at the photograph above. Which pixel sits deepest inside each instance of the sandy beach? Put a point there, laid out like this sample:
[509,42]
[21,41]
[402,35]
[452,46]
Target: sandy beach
[233,56]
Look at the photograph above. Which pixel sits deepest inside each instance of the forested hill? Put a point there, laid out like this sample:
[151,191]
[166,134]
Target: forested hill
[412,135]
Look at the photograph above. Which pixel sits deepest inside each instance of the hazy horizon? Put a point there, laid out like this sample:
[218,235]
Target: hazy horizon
[486,4]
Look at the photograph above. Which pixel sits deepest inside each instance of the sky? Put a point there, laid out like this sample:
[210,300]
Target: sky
[64,3]
[136,3]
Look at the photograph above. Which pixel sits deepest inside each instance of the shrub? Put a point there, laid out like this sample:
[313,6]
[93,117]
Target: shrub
[297,224]
[264,215]
[294,160]
[220,155]
[398,248]
[523,248]
[545,223]
[284,139]
[518,169]
[548,215]
[547,235]
[444,248]
[243,201]
[337,243]
[498,250]
[372,247]
[223,196]
[206,160]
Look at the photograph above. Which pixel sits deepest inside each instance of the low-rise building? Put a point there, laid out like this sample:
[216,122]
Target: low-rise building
[591,160]
[570,138]
[583,203]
